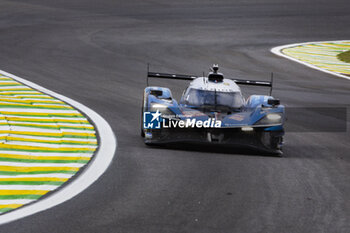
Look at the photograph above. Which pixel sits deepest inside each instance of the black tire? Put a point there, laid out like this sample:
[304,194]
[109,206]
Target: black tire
[142,132]
[275,145]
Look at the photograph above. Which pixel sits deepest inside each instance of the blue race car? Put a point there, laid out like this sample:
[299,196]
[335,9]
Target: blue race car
[212,110]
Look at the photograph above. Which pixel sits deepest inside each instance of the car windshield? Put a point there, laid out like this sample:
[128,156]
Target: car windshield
[205,98]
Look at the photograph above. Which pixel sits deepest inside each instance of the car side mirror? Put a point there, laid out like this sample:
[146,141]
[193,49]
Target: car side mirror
[273,102]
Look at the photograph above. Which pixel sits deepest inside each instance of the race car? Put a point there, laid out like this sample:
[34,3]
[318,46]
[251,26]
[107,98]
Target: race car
[212,110]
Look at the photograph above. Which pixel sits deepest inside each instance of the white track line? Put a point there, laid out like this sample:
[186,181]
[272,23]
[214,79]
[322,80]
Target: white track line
[89,175]
[277,50]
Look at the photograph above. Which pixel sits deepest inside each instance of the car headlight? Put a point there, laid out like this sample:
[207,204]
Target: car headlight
[156,106]
[271,119]
[163,109]
[274,117]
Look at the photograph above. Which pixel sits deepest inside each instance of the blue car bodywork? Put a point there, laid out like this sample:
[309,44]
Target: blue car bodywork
[258,123]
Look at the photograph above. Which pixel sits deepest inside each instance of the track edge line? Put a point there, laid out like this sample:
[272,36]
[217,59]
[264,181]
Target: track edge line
[277,50]
[94,169]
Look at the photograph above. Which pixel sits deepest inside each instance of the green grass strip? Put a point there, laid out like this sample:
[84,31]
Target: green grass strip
[49,121]
[9,197]
[49,136]
[33,107]
[59,143]
[9,85]
[29,97]
[51,127]
[70,115]
[16,89]
[32,97]
[19,101]
[3,210]
[21,94]
[47,115]
[31,183]
[35,172]
[345,56]
[25,89]
[4,159]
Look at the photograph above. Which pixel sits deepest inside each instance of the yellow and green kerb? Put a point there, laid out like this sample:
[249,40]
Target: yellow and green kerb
[44,142]
[331,56]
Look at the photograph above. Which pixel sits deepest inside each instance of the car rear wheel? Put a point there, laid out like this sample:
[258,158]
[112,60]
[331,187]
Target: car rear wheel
[142,132]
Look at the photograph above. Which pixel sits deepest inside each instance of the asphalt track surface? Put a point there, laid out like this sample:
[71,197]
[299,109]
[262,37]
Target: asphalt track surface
[96,52]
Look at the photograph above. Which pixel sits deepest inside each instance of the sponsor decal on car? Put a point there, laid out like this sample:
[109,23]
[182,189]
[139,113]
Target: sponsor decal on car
[237,117]
[155,120]
[192,123]
[152,120]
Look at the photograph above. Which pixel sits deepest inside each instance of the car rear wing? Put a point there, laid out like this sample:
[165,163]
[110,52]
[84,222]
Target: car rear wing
[252,82]
[168,76]
[256,83]
[192,77]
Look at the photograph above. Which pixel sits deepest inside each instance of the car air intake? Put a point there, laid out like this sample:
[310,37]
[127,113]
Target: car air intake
[215,77]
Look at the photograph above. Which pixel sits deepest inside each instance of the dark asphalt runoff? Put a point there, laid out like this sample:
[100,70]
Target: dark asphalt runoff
[96,52]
